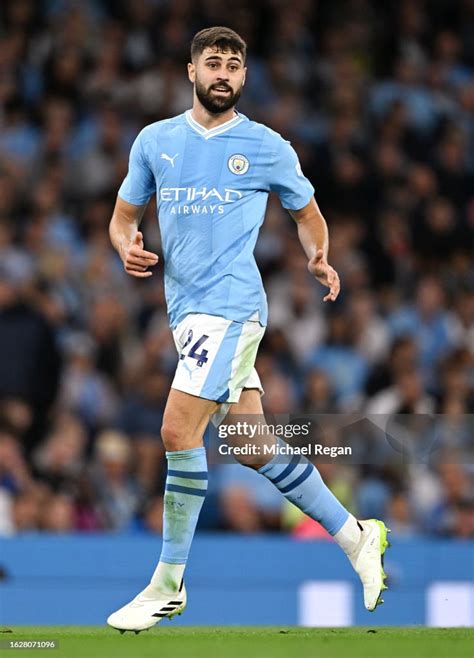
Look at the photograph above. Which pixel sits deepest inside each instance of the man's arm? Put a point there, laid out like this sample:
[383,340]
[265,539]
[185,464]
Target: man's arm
[128,240]
[314,238]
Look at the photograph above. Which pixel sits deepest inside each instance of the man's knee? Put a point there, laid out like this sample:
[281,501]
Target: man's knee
[251,461]
[173,436]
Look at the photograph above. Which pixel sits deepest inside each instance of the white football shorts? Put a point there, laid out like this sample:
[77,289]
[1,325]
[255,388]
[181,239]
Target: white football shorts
[216,357]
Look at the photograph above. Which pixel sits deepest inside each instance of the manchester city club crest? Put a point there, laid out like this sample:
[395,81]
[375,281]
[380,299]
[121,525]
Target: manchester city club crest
[238,164]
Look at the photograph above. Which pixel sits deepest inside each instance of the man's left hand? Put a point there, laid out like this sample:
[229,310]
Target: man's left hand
[325,274]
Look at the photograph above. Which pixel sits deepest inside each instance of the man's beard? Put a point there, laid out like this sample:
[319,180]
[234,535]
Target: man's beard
[214,103]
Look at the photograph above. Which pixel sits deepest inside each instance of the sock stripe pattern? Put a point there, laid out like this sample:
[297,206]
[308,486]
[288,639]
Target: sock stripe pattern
[197,475]
[191,491]
[185,490]
[289,469]
[300,482]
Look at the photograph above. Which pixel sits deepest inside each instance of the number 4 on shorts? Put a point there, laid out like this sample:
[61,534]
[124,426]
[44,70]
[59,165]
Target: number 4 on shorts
[193,352]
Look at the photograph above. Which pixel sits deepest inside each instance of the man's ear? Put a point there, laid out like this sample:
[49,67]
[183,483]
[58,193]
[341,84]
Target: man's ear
[191,72]
[245,76]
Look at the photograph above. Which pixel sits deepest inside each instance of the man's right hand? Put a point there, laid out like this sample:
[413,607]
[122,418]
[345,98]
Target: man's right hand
[136,260]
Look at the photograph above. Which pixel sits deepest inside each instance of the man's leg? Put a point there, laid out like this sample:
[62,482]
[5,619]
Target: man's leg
[298,479]
[300,482]
[184,422]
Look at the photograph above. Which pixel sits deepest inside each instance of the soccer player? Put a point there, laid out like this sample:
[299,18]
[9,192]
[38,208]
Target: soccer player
[212,169]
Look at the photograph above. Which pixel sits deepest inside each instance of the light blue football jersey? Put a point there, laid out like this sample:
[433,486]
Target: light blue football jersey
[212,188]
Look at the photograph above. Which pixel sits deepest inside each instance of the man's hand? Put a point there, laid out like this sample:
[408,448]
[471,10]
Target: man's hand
[325,274]
[136,260]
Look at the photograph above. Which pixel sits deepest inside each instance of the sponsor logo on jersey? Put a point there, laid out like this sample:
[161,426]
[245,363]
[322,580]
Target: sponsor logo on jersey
[238,164]
[198,201]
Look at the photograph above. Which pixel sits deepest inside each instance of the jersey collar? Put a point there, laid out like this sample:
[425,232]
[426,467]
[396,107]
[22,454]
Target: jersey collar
[212,132]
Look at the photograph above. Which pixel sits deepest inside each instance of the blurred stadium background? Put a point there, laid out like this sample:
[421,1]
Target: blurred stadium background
[378,100]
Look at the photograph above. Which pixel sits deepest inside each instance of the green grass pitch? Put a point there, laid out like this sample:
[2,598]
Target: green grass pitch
[251,641]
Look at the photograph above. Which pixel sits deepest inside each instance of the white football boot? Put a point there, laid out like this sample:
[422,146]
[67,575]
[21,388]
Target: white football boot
[146,610]
[367,559]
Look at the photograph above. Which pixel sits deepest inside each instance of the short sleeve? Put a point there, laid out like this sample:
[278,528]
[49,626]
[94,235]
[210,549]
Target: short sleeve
[139,184]
[287,179]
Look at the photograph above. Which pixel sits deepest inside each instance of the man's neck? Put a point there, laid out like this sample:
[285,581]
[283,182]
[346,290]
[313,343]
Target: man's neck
[209,120]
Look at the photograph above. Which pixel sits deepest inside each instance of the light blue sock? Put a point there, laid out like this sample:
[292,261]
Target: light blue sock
[185,490]
[300,482]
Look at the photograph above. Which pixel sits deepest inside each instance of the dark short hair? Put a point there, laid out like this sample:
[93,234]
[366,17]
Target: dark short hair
[221,38]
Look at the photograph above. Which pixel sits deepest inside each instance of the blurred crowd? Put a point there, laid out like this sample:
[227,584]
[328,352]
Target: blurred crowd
[378,100]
